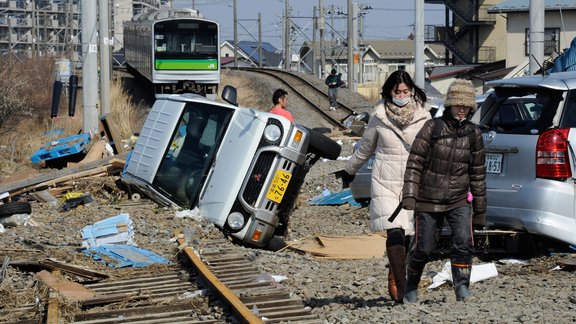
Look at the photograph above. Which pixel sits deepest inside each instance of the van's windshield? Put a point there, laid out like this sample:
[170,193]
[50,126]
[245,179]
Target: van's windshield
[194,144]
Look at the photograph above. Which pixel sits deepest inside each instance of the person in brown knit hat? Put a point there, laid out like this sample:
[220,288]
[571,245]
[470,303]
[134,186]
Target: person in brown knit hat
[446,162]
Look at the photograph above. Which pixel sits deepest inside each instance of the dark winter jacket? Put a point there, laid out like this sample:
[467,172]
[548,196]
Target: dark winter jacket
[441,176]
[333,81]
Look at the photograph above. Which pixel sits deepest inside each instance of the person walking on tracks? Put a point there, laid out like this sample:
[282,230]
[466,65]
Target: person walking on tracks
[333,81]
[445,164]
[392,127]
[280,101]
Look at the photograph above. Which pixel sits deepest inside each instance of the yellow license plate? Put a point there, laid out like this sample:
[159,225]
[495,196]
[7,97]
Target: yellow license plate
[279,186]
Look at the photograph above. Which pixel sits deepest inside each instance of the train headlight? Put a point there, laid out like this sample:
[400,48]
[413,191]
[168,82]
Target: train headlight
[272,133]
[236,221]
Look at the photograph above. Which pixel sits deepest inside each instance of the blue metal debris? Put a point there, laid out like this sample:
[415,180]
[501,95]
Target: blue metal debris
[61,147]
[338,198]
[120,256]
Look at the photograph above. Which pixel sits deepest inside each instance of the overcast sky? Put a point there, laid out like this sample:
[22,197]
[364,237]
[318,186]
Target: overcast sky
[385,20]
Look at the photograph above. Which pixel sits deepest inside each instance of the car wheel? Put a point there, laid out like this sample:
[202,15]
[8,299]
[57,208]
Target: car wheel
[323,146]
[12,208]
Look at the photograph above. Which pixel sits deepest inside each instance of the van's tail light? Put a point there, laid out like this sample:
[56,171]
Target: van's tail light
[552,158]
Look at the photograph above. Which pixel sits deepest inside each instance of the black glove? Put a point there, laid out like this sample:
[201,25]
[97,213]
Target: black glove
[409,203]
[345,176]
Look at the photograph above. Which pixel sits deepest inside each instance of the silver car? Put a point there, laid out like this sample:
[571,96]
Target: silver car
[529,130]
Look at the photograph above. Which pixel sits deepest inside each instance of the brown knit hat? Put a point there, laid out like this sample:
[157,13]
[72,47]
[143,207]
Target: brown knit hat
[461,93]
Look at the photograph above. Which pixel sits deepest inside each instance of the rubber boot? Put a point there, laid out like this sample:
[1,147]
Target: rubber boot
[397,260]
[392,291]
[412,281]
[461,280]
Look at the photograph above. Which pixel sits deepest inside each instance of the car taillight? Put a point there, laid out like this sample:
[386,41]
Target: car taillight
[552,159]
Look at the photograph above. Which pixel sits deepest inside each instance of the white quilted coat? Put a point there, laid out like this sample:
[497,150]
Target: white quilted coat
[392,147]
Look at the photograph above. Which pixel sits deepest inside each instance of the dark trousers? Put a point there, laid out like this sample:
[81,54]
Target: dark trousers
[332,95]
[428,227]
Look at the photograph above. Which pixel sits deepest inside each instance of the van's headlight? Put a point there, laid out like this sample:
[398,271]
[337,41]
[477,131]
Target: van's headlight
[235,221]
[296,139]
[272,133]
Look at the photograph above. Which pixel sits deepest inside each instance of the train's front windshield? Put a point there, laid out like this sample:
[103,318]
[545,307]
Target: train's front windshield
[181,39]
[194,144]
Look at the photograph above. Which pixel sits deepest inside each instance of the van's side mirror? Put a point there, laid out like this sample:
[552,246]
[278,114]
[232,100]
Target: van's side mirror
[229,94]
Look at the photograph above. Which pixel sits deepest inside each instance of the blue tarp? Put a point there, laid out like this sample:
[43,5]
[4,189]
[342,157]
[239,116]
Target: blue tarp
[120,256]
[566,61]
[338,198]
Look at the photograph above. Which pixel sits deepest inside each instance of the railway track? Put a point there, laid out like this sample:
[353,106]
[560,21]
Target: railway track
[317,98]
[212,283]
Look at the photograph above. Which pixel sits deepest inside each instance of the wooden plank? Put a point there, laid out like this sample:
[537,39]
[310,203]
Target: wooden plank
[244,314]
[97,152]
[132,311]
[275,303]
[69,268]
[21,186]
[133,280]
[53,308]
[72,291]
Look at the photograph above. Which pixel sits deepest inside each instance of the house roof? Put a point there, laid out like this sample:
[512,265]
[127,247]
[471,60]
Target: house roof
[524,5]
[450,70]
[384,48]
[270,55]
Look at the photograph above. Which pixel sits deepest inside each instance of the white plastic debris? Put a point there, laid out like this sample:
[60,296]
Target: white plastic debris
[479,272]
[15,220]
[266,277]
[512,261]
[194,214]
[193,294]
[326,192]
[2,229]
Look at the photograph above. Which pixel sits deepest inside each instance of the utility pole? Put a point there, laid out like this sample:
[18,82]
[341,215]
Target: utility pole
[235,34]
[321,27]
[259,40]
[104,39]
[536,43]
[419,43]
[352,40]
[89,66]
[286,35]
[314,51]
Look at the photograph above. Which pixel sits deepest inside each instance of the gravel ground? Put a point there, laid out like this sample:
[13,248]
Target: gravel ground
[339,291]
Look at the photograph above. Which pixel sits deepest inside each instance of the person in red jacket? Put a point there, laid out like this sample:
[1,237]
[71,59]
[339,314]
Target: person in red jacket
[280,101]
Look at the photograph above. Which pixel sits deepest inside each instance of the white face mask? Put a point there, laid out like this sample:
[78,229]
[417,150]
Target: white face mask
[401,102]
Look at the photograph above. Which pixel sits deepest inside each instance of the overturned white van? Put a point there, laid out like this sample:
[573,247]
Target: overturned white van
[242,168]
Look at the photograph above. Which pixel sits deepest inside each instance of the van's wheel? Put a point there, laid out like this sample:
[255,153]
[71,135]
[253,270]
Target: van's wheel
[323,146]
[17,207]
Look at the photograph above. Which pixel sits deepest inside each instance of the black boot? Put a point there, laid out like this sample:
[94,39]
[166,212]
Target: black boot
[461,280]
[412,280]
[397,261]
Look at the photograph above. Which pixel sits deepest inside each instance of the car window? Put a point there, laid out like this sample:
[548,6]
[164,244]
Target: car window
[528,112]
[569,118]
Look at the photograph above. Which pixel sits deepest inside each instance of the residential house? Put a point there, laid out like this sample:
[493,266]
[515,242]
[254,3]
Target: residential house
[559,27]
[378,58]
[249,54]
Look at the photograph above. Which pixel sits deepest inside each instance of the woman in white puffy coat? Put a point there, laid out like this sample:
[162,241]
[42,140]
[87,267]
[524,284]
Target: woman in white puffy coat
[393,125]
